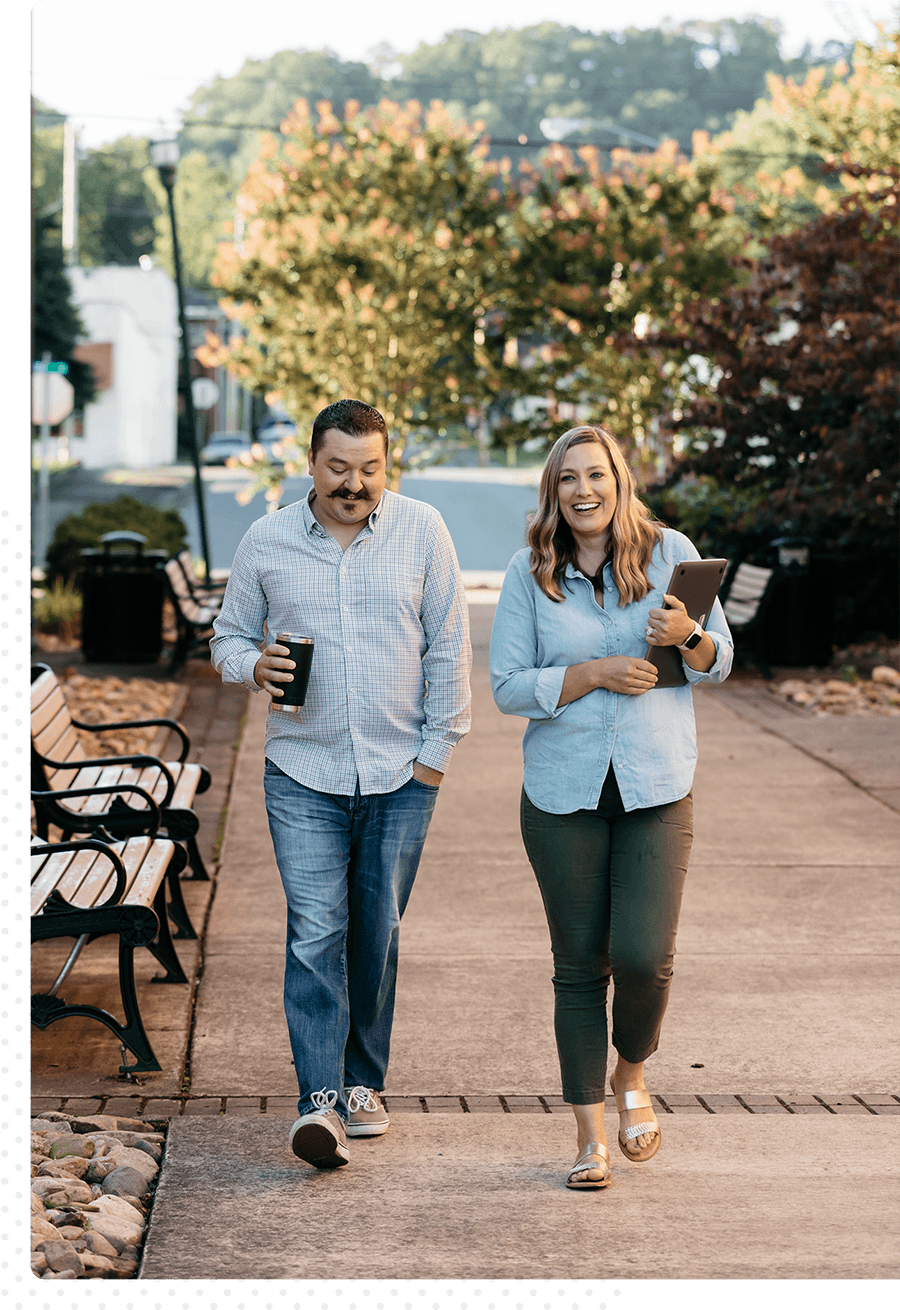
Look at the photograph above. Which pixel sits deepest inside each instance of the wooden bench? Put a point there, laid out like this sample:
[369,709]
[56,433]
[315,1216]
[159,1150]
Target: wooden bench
[193,617]
[745,601]
[89,889]
[59,764]
[204,593]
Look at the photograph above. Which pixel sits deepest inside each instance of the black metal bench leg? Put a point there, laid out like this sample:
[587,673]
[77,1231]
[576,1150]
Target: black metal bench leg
[133,1034]
[195,860]
[162,947]
[47,1009]
[177,909]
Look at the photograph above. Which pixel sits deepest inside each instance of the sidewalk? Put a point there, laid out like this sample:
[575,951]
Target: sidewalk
[776,1057]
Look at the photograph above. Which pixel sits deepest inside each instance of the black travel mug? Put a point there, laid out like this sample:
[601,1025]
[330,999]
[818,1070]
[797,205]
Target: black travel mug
[301,649]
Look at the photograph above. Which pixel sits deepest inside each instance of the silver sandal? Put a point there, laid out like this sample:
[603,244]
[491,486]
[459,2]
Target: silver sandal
[636,1100]
[583,1163]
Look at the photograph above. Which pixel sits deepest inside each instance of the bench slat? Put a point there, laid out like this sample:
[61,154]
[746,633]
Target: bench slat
[85,878]
[59,740]
[146,860]
[46,871]
[87,881]
[51,705]
[42,687]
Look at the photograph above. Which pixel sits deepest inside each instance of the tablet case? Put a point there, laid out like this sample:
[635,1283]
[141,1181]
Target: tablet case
[695,582]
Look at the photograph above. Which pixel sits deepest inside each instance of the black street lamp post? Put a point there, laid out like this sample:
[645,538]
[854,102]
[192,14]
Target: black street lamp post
[164,154]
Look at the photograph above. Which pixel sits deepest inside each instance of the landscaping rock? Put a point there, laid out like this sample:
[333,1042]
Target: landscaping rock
[71,1144]
[61,1189]
[62,1255]
[118,1232]
[125,1181]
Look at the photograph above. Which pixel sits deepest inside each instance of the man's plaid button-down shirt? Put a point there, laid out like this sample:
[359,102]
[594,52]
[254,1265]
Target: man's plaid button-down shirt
[388,615]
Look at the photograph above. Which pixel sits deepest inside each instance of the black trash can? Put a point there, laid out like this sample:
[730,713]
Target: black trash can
[122,600]
[800,619]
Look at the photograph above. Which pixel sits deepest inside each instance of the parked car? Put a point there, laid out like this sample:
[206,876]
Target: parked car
[223,445]
[272,431]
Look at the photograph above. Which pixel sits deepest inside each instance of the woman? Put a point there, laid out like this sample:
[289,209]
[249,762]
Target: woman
[606,808]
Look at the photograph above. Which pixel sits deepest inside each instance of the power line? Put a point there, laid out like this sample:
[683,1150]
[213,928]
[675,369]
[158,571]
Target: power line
[523,141]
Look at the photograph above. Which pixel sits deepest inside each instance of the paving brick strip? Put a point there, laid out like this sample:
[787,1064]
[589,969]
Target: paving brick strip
[155,1109]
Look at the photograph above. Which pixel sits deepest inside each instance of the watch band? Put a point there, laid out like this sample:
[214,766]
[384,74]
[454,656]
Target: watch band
[694,639]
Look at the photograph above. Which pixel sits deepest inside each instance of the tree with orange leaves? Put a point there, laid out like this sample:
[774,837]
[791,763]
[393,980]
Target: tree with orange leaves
[601,255]
[365,265]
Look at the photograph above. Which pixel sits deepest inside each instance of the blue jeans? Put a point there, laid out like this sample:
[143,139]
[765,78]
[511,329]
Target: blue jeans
[347,864]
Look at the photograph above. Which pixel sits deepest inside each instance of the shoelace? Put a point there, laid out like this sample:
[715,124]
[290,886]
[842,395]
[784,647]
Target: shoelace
[323,1100]
[359,1098]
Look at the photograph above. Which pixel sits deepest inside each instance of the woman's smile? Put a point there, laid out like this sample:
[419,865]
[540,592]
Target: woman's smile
[587,489]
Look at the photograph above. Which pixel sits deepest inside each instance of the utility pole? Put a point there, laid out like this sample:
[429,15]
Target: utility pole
[70,193]
[164,155]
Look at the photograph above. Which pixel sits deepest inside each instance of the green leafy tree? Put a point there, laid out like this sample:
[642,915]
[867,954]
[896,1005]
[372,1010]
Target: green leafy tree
[263,93]
[56,324]
[205,197]
[46,161]
[659,83]
[367,260]
[116,208]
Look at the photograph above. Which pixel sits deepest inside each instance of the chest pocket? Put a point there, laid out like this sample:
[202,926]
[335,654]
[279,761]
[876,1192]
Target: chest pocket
[639,613]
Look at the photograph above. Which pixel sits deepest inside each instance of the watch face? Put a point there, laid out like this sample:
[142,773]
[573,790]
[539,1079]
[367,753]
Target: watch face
[693,640]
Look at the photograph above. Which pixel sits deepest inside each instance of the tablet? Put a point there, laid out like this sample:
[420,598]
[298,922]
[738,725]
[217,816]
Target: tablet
[696,583]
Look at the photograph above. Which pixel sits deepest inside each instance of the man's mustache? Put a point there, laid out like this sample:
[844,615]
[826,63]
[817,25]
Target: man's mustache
[348,495]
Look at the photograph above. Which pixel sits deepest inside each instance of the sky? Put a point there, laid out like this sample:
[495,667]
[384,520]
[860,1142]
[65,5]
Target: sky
[117,69]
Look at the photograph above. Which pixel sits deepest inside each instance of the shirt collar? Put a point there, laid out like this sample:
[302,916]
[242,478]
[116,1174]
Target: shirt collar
[312,524]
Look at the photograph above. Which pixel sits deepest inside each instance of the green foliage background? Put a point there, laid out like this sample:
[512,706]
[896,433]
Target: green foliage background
[164,529]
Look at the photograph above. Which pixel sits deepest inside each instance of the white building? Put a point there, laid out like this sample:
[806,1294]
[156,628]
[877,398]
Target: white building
[131,318]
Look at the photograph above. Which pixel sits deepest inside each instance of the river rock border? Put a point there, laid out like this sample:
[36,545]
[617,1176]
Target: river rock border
[92,1183]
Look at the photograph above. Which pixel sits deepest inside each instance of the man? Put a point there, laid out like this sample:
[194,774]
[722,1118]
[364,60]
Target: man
[351,779]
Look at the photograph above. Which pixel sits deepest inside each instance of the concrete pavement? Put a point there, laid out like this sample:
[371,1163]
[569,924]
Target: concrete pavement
[787,959]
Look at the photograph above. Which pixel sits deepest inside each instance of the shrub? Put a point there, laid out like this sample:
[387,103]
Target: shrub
[56,605]
[164,529]
[720,520]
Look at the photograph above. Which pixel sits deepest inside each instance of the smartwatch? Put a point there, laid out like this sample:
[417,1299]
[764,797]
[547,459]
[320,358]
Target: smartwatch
[694,639]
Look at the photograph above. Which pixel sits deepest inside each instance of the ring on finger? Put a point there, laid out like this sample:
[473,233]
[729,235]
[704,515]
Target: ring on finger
[648,632]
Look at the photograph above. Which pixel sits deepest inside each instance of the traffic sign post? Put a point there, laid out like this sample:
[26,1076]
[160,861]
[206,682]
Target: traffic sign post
[52,400]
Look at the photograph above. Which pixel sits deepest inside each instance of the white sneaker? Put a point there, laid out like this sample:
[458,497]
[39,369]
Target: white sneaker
[319,1137]
[368,1117]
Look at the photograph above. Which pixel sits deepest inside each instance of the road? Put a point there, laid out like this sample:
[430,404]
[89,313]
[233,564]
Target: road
[484,509]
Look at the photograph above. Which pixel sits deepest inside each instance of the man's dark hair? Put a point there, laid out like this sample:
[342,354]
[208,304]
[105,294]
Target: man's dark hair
[354,417]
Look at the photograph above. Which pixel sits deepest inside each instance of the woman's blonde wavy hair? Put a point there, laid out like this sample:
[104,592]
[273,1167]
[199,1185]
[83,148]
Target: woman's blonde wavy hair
[633,533]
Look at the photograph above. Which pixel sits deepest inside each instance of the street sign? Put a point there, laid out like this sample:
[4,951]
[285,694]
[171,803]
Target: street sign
[205,393]
[52,398]
[53,366]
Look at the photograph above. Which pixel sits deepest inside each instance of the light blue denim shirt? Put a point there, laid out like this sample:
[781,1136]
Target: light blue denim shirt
[650,738]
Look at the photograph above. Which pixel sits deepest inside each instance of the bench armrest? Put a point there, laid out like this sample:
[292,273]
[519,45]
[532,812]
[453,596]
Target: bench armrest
[58,901]
[142,723]
[154,813]
[145,762]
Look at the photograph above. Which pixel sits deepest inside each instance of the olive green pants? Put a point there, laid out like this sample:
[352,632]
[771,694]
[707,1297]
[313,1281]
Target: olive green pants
[611,883]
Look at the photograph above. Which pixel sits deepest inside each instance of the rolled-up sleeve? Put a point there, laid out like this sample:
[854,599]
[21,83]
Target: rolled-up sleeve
[519,685]
[240,626]
[447,661]
[717,627]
